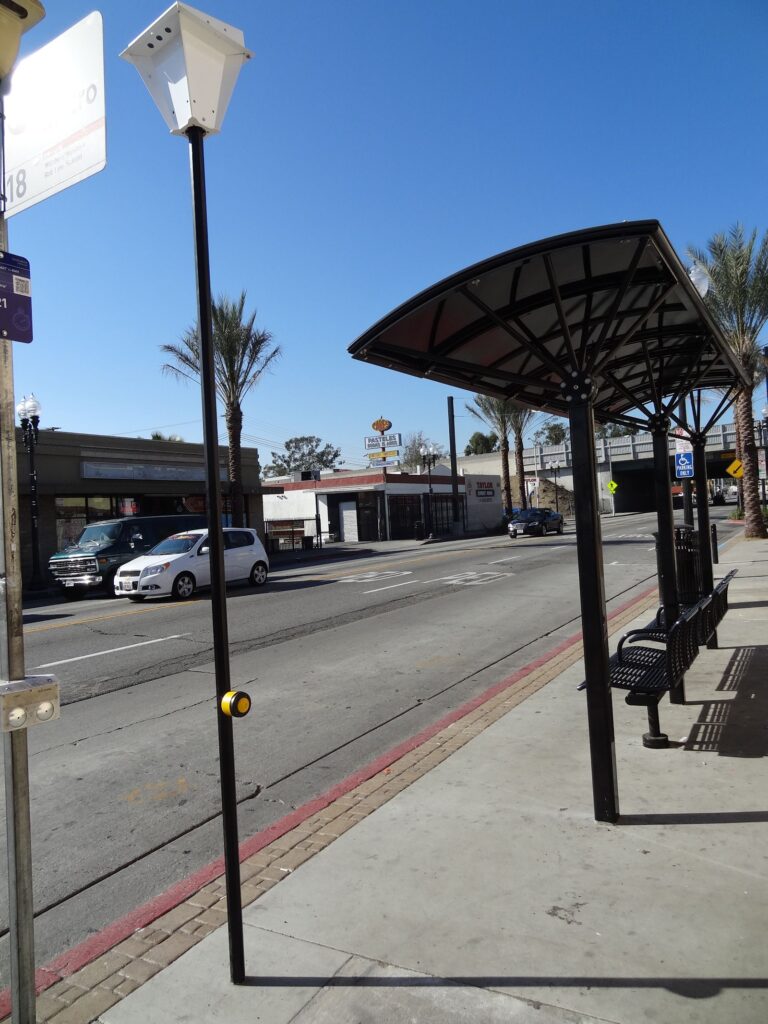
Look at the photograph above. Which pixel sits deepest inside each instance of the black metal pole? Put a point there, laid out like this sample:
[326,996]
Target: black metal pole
[454,466]
[666,522]
[34,509]
[216,543]
[429,488]
[593,615]
[702,518]
[557,476]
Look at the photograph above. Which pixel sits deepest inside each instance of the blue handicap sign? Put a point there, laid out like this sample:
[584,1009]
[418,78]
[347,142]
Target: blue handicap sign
[683,465]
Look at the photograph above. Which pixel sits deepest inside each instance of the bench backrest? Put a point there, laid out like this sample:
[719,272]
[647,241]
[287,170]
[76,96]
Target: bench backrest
[681,648]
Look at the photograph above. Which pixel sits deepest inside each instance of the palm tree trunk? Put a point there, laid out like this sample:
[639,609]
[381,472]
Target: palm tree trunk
[506,490]
[520,467]
[234,420]
[740,480]
[754,524]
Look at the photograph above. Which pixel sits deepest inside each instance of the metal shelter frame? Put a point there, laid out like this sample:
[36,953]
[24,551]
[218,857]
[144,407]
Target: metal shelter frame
[602,324]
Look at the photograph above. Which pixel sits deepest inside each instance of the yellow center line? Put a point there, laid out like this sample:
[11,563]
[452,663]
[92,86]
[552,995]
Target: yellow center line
[101,618]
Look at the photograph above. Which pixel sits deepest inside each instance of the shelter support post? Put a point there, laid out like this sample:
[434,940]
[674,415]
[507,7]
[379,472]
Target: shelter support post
[702,518]
[665,537]
[592,594]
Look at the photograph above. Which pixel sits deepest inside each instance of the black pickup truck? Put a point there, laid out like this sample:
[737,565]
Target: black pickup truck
[537,522]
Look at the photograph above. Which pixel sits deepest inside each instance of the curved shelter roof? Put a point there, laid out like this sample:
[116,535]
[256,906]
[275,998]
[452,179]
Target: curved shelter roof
[613,303]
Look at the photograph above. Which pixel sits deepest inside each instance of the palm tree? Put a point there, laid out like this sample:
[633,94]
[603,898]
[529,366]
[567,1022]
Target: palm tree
[738,299]
[504,417]
[241,354]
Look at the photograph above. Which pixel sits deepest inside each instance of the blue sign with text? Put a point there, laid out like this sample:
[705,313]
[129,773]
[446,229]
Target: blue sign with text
[15,298]
[683,465]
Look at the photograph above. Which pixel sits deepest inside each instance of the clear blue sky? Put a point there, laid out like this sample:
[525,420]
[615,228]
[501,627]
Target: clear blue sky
[369,150]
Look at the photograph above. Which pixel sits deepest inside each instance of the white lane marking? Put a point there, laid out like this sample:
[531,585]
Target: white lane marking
[114,650]
[372,577]
[510,559]
[390,587]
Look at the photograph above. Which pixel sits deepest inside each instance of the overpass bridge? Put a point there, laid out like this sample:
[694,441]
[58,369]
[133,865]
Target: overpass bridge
[628,461]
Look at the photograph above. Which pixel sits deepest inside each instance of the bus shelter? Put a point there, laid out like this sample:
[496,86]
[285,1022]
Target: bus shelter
[597,325]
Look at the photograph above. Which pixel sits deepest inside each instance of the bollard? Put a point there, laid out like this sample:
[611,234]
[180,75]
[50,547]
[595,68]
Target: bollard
[715,552]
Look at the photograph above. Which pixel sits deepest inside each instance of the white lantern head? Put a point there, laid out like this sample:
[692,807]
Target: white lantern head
[28,407]
[189,61]
[699,278]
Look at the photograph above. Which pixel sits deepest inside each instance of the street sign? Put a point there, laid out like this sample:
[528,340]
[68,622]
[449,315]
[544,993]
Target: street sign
[736,469]
[383,440]
[683,465]
[612,486]
[15,298]
[382,455]
[55,129]
[682,444]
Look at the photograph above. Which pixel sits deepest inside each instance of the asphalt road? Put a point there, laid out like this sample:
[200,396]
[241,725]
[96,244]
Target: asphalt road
[343,660]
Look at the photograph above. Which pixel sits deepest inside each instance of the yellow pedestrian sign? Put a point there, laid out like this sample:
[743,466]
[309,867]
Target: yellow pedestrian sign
[736,469]
[612,486]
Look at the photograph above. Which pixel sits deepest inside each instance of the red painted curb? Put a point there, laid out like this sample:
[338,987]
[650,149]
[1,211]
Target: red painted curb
[75,959]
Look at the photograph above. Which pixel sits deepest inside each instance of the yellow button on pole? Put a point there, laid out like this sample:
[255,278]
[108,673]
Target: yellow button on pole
[236,704]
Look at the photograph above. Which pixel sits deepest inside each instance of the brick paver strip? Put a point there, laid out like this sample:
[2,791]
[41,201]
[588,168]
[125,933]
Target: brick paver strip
[197,906]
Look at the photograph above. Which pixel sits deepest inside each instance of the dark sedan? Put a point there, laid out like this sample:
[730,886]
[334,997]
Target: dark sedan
[537,522]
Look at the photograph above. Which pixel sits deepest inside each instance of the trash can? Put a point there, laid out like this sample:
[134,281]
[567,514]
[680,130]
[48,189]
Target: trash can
[307,543]
[418,528]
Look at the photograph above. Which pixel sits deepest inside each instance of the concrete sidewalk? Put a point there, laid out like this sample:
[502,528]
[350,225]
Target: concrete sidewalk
[468,881]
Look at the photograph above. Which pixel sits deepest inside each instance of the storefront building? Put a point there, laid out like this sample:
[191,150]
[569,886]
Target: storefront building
[82,478]
[378,505]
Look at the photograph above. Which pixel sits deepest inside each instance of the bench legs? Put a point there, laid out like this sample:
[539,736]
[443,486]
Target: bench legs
[654,737]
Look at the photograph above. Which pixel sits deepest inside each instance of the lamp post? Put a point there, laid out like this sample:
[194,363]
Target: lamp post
[765,437]
[190,63]
[428,459]
[556,467]
[28,410]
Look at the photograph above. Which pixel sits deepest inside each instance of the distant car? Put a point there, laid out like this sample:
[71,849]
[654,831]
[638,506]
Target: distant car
[537,522]
[179,565]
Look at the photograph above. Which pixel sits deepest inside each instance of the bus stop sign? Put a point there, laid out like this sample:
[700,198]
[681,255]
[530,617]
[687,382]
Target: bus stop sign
[15,298]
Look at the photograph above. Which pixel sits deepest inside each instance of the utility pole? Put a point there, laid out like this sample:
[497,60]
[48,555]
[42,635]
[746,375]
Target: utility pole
[454,469]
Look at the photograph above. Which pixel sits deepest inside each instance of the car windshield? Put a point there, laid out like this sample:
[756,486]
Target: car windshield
[529,514]
[176,545]
[99,534]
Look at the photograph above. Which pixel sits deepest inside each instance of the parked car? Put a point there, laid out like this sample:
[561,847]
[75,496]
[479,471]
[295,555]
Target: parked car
[92,561]
[536,522]
[178,566]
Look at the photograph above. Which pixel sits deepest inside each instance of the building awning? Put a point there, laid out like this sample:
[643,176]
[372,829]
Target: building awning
[610,306]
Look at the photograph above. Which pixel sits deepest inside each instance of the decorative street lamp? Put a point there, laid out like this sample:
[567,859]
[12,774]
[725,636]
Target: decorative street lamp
[190,61]
[428,460]
[28,410]
[556,467]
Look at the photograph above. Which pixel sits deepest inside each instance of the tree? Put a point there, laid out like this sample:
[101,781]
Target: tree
[303,453]
[738,299]
[482,444]
[410,456]
[241,354]
[158,435]
[607,430]
[550,434]
[504,417]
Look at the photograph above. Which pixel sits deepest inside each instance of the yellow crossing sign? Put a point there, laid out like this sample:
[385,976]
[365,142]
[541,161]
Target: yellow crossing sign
[736,469]
[612,486]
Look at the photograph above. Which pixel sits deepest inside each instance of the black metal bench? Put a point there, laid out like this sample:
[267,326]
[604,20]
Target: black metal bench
[719,598]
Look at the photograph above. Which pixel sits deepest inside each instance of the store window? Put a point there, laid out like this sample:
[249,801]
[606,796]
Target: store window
[74,514]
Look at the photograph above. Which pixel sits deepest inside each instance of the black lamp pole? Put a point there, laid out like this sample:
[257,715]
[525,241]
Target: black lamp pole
[216,543]
[30,429]
[428,459]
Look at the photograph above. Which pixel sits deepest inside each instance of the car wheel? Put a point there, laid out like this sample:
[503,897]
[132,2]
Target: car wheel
[183,586]
[559,527]
[258,575]
[135,597]
[109,585]
[543,529]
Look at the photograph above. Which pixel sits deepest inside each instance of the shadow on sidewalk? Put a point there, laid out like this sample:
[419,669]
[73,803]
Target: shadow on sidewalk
[691,988]
[736,727]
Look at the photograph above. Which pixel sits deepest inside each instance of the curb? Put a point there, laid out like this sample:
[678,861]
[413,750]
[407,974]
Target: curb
[85,981]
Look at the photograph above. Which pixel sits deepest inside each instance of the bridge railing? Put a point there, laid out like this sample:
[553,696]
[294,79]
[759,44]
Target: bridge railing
[543,458]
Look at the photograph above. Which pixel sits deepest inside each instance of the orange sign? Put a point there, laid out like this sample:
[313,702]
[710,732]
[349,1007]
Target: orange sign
[381,425]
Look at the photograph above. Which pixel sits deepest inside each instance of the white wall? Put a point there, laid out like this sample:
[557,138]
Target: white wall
[484,506]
